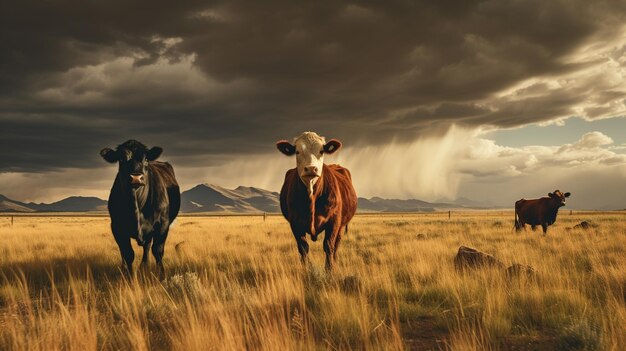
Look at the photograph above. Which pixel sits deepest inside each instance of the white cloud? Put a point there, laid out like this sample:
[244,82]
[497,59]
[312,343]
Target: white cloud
[593,87]
[589,141]
[121,82]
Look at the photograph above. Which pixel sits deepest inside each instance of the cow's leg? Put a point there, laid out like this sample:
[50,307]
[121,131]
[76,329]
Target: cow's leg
[330,238]
[533,227]
[329,249]
[126,250]
[303,247]
[146,252]
[337,241]
[544,226]
[158,249]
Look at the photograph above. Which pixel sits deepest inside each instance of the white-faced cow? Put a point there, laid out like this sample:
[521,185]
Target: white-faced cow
[144,201]
[316,197]
[541,211]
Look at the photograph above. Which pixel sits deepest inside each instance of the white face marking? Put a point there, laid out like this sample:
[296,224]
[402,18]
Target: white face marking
[309,158]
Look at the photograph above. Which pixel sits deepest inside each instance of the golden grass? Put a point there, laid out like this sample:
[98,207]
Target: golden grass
[236,283]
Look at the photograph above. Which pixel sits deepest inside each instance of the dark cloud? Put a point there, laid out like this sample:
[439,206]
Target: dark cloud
[211,80]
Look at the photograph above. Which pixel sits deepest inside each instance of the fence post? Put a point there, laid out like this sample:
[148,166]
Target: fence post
[264,216]
[11,221]
[449,214]
[570,212]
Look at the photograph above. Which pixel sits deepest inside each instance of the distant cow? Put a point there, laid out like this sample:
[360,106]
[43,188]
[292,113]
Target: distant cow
[541,211]
[144,201]
[316,197]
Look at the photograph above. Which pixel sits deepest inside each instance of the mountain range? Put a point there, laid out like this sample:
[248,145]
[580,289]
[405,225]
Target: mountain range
[214,198]
[70,204]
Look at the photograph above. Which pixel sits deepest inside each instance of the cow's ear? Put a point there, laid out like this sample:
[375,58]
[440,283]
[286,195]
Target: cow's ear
[551,194]
[331,146]
[109,155]
[285,147]
[154,153]
[567,194]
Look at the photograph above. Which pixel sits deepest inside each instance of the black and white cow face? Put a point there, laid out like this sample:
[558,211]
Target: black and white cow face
[133,158]
[559,197]
[309,149]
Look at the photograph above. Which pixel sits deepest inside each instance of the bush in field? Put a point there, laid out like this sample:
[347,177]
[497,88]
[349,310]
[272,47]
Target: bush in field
[183,285]
[580,336]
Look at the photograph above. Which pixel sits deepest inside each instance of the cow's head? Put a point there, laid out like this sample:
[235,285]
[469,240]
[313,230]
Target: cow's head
[309,149]
[133,158]
[558,197]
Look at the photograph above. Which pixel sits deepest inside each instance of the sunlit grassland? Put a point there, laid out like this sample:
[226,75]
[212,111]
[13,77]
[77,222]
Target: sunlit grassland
[236,283]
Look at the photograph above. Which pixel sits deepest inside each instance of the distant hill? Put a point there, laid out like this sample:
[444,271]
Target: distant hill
[72,204]
[465,202]
[8,205]
[214,198]
[377,204]
[243,199]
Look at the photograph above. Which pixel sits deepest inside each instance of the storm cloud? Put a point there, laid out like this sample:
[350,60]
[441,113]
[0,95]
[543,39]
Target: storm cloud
[211,81]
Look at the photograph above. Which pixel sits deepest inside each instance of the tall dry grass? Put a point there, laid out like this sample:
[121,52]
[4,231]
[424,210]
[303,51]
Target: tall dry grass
[236,283]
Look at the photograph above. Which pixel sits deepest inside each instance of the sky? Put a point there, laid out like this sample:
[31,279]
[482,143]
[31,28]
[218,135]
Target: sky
[490,100]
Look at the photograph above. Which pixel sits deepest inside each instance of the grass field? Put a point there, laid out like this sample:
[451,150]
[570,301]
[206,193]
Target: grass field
[236,283]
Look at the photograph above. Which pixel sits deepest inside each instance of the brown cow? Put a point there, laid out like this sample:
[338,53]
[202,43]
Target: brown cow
[541,211]
[316,197]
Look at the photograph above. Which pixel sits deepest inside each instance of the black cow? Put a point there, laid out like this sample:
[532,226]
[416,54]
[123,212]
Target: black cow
[144,200]
[541,211]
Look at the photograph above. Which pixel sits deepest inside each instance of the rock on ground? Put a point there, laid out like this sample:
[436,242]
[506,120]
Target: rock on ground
[468,257]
